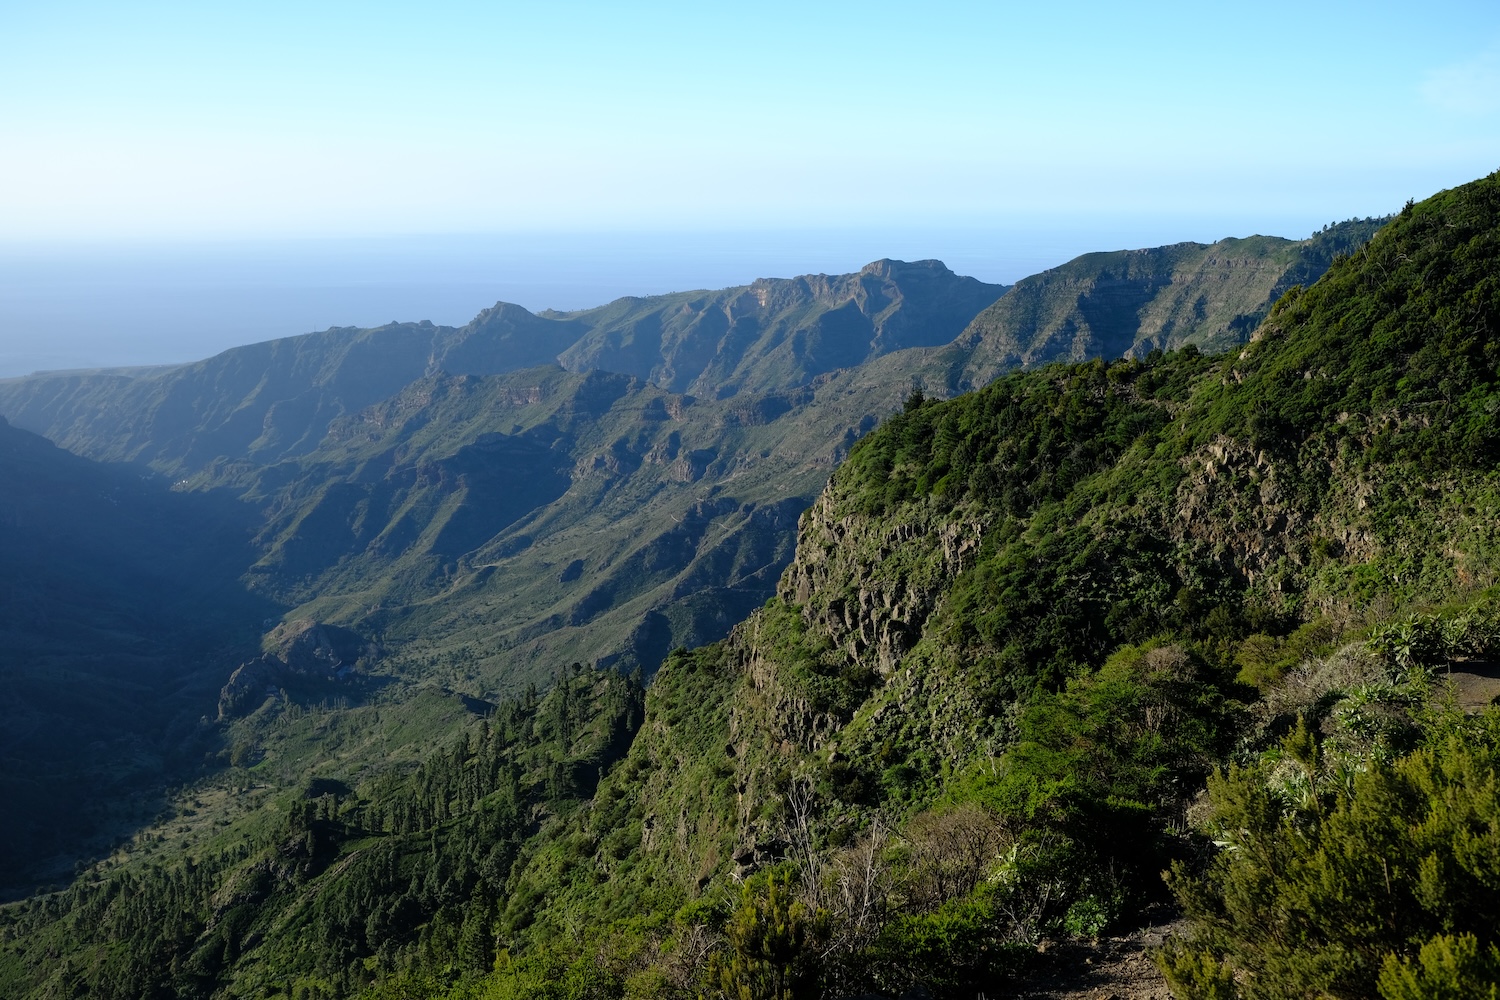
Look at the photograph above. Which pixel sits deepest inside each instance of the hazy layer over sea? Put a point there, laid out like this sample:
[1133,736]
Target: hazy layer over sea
[108,304]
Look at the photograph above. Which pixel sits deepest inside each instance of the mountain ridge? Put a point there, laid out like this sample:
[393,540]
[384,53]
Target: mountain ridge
[275,399]
[775,334]
[1020,630]
[678,511]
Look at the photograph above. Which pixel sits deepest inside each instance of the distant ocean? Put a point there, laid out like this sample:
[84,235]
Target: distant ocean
[105,305]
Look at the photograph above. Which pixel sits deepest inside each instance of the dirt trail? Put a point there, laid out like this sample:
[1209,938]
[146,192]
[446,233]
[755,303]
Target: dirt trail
[1111,968]
[1477,682]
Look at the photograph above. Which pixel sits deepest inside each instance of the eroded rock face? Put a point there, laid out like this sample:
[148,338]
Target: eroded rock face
[870,584]
[305,650]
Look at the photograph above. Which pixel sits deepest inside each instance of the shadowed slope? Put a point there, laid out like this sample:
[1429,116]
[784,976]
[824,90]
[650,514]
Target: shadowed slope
[120,614]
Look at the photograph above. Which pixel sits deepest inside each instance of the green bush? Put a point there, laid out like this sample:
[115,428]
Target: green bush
[1086,918]
[1348,886]
[1446,968]
[962,949]
[774,942]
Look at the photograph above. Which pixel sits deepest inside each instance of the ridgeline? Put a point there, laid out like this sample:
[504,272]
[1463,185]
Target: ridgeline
[1036,644]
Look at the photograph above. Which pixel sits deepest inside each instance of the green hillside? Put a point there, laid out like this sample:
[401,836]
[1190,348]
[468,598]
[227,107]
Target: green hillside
[118,598]
[276,400]
[385,463]
[1110,305]
[778,334]
[1023,631]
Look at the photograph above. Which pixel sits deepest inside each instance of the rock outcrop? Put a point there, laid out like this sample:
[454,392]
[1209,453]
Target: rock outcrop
[293,651]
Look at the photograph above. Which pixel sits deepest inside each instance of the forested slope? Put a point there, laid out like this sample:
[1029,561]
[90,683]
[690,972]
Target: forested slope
[117,596]
[1022,629]
[1024,626]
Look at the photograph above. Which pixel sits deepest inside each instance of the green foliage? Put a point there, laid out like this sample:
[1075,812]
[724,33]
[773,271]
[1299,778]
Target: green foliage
[774,943]
[960,949]
[408,878]
[1399,332]
[1413,644]
[1446,968]
[1195,973]
[1103,767]
[1086,917]
[1328,894]
[1024,440]
[1262,660]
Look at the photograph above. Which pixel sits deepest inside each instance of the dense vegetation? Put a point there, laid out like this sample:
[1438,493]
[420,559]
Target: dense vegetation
[111,619]
[333,886]
[1039,644]
[1358,854]
[659,476]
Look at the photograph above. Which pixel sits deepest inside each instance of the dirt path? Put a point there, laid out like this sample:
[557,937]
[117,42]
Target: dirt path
[1112,968]
[1477,682]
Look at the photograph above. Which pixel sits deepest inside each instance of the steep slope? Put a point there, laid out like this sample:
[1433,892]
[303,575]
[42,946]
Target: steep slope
[1017,618]
[1127,303]
[489,526]
[776,334]
[120,610]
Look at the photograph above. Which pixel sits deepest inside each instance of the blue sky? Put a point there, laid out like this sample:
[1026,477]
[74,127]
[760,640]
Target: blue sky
[188,121]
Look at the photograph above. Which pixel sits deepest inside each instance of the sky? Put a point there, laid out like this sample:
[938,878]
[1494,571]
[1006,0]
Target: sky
[150,131]
[336,119]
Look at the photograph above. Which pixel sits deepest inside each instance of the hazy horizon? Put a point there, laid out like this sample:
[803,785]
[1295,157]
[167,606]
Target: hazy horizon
[119,303]
[180,178]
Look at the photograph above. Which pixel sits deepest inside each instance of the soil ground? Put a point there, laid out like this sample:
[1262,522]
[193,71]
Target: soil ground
[1477,682]
[1111,968]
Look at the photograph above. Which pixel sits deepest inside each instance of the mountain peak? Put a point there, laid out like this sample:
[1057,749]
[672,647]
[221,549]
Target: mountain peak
[779,333]
[501,311]
[887,267]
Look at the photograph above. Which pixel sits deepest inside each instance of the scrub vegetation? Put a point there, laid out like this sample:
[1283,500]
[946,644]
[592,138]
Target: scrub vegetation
[1101,642]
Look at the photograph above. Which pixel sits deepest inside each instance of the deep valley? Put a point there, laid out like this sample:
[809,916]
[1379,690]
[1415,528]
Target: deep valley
[885,634]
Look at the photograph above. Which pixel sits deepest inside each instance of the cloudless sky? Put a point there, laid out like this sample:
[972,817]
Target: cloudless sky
[179,177]
[271,119]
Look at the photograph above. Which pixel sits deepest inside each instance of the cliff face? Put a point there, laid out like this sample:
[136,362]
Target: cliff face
[295,652]
[869,584]
[972,555]
[1122,303]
